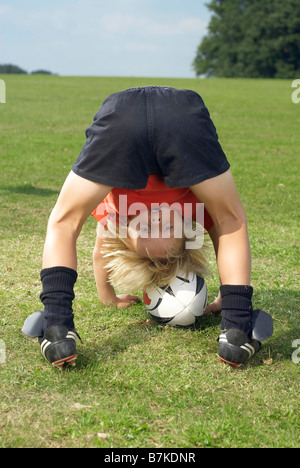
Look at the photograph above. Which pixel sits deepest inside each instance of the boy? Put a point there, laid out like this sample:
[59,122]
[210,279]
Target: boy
[144,237]
[138,133]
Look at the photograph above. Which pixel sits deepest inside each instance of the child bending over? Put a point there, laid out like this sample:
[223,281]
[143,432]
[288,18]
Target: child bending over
[137,134]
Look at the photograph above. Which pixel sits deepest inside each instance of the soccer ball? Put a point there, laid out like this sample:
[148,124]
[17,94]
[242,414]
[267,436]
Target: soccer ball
[181,303]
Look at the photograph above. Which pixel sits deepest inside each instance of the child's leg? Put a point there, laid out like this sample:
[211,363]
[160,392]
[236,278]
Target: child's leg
[221,200]
[77,200]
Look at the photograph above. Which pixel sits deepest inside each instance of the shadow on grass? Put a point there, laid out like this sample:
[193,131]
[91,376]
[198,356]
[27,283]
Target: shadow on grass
[281,304]
[134,334]
[107,349]
[29,189]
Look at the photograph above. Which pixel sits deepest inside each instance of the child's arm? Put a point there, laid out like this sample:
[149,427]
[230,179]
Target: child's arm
[105,290]
[221,200]
[215,306]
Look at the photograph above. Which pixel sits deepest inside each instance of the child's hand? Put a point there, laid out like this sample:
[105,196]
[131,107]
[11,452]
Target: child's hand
[214,307]
[126,300]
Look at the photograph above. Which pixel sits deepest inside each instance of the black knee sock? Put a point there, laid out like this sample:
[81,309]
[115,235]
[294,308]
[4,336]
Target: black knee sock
[237,308]
[57,296]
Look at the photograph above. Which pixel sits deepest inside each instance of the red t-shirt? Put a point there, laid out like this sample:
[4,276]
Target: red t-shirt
[119,201]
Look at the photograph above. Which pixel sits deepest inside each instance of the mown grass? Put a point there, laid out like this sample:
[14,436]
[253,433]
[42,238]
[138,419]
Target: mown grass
[139,384]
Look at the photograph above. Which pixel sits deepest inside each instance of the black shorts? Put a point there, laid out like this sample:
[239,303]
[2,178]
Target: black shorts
[151,130]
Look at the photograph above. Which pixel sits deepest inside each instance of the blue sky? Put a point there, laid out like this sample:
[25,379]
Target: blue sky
[155,38]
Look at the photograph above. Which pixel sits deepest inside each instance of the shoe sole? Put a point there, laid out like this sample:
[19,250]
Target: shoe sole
[68,361]
[232,364]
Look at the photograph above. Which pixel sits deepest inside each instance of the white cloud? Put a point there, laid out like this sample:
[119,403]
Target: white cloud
[121,24]
[4,9]
[192,25]
[141,47]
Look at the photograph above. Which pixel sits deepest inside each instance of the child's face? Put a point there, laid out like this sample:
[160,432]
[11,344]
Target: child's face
[154,232]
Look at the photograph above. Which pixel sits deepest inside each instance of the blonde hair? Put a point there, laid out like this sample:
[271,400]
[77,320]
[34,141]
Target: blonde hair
[130,271]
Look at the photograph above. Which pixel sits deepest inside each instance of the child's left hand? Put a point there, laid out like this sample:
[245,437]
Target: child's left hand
[126,300]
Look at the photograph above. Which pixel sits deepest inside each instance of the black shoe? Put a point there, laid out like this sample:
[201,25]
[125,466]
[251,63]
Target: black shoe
[58,346]
[235,348]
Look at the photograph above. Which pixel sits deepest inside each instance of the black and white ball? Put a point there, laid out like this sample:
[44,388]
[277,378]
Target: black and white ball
[181,303]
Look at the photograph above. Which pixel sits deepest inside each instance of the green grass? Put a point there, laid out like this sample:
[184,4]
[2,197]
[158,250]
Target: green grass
[143,385]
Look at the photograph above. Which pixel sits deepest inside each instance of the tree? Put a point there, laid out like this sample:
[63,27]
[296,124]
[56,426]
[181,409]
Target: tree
[41,72]
[251,38]
[8,68]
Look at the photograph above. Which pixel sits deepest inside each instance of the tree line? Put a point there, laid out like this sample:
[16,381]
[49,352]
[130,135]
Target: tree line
[9,68]
[251,39]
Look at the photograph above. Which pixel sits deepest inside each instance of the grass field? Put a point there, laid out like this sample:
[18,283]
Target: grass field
[141,385]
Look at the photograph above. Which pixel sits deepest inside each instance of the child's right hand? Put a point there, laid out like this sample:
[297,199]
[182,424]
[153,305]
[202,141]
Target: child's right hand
[214,307]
